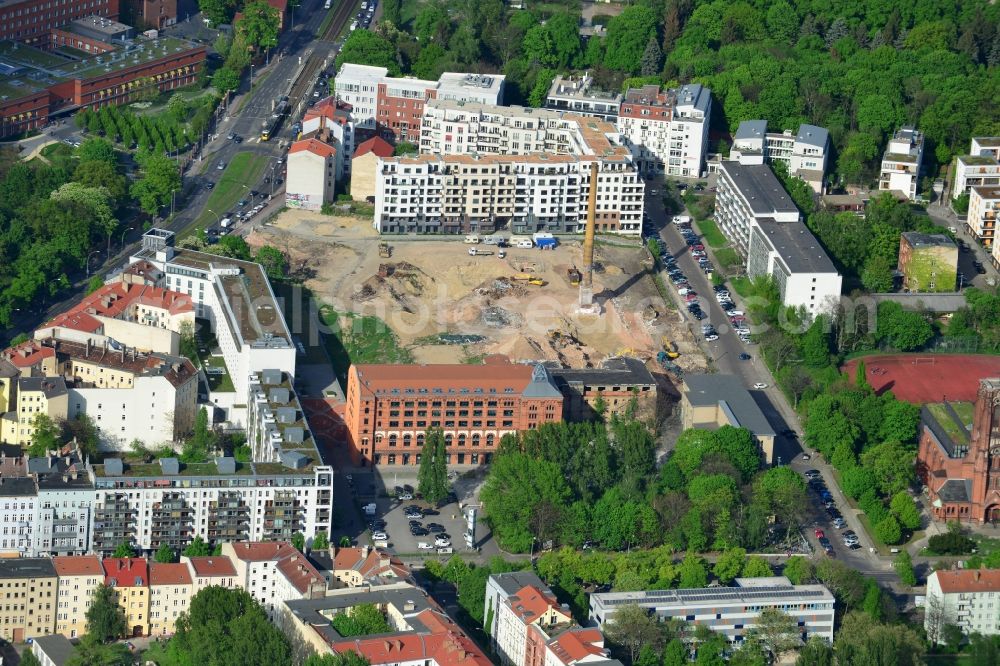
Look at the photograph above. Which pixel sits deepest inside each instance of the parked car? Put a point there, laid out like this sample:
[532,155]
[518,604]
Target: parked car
[442,543]
[423,545]
[380,536]
[404,497]
[760,386]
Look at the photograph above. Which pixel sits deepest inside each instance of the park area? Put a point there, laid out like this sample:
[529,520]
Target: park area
[430,301]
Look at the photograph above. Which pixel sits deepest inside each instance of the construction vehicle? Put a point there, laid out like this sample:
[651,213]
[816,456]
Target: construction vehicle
[538,282]
[670,349]
[384,250]
[574,275]
[476,252]
[522,276]
[669,365]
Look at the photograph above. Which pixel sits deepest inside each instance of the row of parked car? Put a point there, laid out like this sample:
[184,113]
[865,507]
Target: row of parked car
[850,538]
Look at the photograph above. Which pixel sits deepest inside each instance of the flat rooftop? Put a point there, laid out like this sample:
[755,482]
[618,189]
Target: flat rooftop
[581,89]
[726,390]
[289,419]
[760,187]
[796,246]
[978,160]
[27,567]
[919,240]
[623,370]
[772,589]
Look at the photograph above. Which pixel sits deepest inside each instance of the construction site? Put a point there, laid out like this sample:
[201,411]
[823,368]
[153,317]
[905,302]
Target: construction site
[449,299]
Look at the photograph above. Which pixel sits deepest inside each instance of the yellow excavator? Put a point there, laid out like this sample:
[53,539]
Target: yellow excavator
[670,348]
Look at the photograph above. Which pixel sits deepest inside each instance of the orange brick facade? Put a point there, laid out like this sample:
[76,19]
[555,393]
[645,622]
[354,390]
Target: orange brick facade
[401,115]
[963,475]
[25,113]
[389,407]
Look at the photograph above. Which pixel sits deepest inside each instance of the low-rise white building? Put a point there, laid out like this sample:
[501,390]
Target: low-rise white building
[312,173]
[804,153]
[730,611]
[667,130]
[981,219]
[791,255]
[902,163]
[274,573]
[966,598]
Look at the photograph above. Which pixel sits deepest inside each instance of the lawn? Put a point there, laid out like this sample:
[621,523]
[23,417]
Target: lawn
[359,339]
[223,383]
[741,285]
[728,258]
[242,173]
[710,231]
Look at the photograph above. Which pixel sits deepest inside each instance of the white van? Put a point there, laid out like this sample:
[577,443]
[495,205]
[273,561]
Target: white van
[446,551]
[472,239]
[226,221]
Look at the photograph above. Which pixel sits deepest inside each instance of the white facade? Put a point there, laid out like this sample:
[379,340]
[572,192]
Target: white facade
[152,410]
[981,219]
[731,611]
[18,512]
[967,598]
[578,95]
[746,192]
[63,521]
[260,570]
[805,153]
[975,171]
[312,177]
[801,269]
[358,86]
[237,299]
[667,131]
[901,164]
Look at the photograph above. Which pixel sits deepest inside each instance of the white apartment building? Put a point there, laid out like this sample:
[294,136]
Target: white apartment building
[335,119]
[163,502]
[804,153]
[746,192]
[667,130]
[312,174]
[967,598]
[578,95]
[484,168]
[980,168]
[791,255]
[274,573]
[981,220]
[237,300]
[525,612]
[394,105]
[731,611]
[901,164]
[578,646]
[65,503]
[18,510]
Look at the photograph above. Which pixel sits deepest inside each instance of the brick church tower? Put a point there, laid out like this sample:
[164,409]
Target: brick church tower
[984,452]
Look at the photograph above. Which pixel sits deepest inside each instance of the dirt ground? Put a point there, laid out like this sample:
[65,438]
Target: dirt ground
[430,286]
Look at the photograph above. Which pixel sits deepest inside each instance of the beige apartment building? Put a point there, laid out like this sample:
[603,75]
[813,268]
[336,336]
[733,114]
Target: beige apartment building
[129,576]
[210,571]
[170,592]
[27,598]
[78,576]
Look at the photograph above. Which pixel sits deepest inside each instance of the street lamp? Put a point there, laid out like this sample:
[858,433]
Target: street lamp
[172,193]
[122,240]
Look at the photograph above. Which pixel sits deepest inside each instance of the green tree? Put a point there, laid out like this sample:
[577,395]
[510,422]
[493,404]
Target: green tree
[816,344]
[97,174]
[778,631]
[432,477]
[96,149]
[124,549]
[675,654]
[862,641]
[906,331]
[816,652]
[165,554]
[160,177]
[729,564]
[363,47]
[652,57]
[798,569]
[628,35]
[893,466]
[904,568]
[105,618]
[632,628]
[905,509]
[348,658]
[201,441]
[28,658]
[258,25]
[197,548]
[273,260]
[229,628]
[757,567]
[89,652]
[692,572]
[361,620]
[46,436]
[226,79]
[888,530]
[216,11]
[299,542]
[321,541]
[543,81]
[94,284]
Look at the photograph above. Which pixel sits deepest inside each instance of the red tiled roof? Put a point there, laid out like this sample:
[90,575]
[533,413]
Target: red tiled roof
[530,603]
[212,565]
[27,354]
[169,574]
[450,648]
[313,146]
[575,644]
[112,300]
[126,572]
[347,558]
[376,145]
[329,107]
[78,565]
[969,580]
[499,373]
[301,573]
[263,551]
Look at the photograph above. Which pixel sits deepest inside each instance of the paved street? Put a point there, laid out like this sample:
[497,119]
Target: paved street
[724,356]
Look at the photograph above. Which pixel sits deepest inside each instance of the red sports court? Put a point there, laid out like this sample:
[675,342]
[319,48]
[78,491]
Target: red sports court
[921,378]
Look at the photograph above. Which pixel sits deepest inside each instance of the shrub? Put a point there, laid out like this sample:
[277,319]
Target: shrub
[952,543]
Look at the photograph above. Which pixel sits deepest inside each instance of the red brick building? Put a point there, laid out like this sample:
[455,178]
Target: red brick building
[959,461]
[389,407]
[30,21]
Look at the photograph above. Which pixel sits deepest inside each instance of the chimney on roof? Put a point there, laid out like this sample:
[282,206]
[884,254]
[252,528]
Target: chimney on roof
[975,574]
